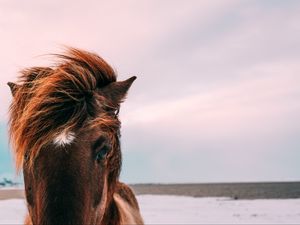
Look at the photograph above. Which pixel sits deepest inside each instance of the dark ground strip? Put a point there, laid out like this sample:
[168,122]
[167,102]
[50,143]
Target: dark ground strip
[284,190]
[278,190]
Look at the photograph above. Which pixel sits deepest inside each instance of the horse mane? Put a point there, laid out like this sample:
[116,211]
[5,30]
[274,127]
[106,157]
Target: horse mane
[52,100]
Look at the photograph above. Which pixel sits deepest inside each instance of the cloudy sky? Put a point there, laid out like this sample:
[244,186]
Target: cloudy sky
[218,91]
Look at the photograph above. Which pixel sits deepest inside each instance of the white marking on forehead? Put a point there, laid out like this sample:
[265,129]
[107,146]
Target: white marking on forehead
[65,138]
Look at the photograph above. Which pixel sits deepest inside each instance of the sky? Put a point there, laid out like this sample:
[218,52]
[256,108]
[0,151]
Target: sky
[217,97]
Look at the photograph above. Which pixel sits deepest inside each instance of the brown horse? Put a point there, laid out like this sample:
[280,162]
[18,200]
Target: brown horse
[65,132]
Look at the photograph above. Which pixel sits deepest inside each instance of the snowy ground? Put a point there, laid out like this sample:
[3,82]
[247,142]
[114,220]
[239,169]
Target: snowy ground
[187,210]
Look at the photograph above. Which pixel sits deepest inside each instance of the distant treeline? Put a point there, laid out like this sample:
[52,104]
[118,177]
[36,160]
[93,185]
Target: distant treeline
[8,183]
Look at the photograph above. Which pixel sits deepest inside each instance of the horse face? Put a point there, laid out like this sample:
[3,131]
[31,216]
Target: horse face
[72,179]
[68,183]
[69,176]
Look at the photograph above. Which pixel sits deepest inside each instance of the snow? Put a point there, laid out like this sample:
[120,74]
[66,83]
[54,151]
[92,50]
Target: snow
[12,211]
[188,210]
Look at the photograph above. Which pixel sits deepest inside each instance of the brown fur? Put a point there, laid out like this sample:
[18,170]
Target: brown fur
[79,94]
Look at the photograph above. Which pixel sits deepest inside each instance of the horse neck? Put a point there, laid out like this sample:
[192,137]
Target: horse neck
[122,209]
[112,215]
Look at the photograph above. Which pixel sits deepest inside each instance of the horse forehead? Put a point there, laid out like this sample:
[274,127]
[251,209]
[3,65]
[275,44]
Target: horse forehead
[64,138]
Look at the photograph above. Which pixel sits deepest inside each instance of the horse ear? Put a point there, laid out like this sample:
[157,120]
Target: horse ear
[13,87]
[116,91]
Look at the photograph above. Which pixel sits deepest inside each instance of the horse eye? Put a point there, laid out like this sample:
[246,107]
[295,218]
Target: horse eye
[26,157]
[102,153]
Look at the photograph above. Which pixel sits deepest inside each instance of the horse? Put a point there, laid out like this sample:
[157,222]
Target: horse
[65,135]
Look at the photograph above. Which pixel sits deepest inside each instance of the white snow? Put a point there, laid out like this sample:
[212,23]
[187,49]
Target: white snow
[188,210]
[12,211]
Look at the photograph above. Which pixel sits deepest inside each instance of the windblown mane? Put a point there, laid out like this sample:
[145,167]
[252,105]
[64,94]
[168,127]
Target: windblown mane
[52,100]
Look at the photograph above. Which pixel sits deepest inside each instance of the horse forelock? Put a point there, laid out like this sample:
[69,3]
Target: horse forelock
[52,102]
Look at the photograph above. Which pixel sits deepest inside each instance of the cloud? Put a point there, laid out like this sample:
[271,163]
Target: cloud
[247,128]
[217,89]
[236,108]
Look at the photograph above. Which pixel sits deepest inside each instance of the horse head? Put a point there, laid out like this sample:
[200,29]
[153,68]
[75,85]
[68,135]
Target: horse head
[65,132]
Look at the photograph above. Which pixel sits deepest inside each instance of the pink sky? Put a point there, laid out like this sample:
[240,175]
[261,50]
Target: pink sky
[217,96]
